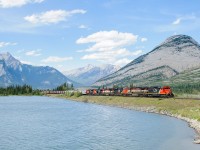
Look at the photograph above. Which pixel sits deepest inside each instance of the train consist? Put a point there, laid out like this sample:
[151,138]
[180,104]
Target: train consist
[164,91]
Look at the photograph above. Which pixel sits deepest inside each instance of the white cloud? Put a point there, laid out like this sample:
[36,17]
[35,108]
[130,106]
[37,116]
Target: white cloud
[33,53]
[55,59]
[109,46]
[25,62]
[144,39]
[177,21]
[111,55]
[122,61]
[183,18]
[82,27]
[17,3]
[108,40]
[3,44]
[182,24]
[52,16]
[137,52]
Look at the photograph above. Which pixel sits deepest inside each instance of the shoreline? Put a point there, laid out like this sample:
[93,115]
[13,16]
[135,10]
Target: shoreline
[192,123]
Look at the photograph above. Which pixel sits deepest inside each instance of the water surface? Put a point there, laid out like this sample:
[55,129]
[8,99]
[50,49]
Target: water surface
[43,123]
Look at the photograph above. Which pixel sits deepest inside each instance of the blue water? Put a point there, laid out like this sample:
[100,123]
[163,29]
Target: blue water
[43,123]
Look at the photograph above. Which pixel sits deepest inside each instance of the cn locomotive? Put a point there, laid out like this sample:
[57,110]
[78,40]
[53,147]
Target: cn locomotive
[164,91]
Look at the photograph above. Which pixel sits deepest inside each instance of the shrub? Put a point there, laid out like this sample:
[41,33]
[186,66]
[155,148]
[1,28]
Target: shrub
[69,94]
[77,94]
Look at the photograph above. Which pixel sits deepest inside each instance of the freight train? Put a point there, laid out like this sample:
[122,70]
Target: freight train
[164,91]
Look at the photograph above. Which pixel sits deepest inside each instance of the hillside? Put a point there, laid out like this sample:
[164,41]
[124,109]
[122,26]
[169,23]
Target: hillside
[175,55]
[13,72]
[191,76]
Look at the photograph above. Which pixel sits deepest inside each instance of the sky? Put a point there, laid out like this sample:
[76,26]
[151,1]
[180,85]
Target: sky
[68,34]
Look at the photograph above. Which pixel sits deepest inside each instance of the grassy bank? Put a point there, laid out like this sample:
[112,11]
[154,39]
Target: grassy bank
[185,108]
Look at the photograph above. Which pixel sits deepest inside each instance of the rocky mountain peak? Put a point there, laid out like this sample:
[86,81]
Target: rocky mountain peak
[180,38]
[91,73]
[5,56]
[89,66]
[179,41]
[10,60]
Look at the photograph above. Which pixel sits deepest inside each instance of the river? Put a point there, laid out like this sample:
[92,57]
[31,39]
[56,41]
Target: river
[44,123]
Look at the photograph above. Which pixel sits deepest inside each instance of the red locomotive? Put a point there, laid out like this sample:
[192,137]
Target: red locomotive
[164,91]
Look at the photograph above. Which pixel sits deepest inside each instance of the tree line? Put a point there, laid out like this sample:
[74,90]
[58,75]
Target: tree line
[64,87]
[186,88]
[19,90]
[28,90]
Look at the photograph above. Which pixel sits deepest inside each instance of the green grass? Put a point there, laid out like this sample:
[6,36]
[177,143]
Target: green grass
[185,108]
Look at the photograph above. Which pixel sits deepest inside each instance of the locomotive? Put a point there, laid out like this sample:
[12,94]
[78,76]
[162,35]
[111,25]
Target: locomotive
[164,91]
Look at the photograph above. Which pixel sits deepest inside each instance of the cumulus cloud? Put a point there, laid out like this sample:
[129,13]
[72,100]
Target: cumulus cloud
[54,59]
[52,16]
[3,44]
[122,61]
[109,46]
[33,53]
[144,39]
[108,40]
[17,3]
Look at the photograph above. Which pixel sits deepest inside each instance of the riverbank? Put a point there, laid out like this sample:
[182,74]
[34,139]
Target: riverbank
[188,110]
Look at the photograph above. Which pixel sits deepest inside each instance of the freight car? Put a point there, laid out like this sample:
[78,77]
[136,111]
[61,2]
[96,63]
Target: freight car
[164,91]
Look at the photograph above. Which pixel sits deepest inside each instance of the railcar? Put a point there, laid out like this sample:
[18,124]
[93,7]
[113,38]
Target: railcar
[164,91]
[111,91]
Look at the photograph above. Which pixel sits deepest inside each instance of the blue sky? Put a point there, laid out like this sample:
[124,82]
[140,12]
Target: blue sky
[67,34]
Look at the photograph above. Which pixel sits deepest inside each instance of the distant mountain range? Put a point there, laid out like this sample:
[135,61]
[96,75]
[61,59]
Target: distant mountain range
[89,74]
[13,72]
[175,55]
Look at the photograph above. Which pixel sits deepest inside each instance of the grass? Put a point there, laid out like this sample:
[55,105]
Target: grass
[186,108]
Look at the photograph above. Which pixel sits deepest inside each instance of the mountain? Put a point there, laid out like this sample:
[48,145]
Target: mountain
[13,72]
[89,74]
[175,55]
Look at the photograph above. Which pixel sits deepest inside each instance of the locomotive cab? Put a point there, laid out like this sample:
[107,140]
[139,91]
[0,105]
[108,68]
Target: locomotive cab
[166,91]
